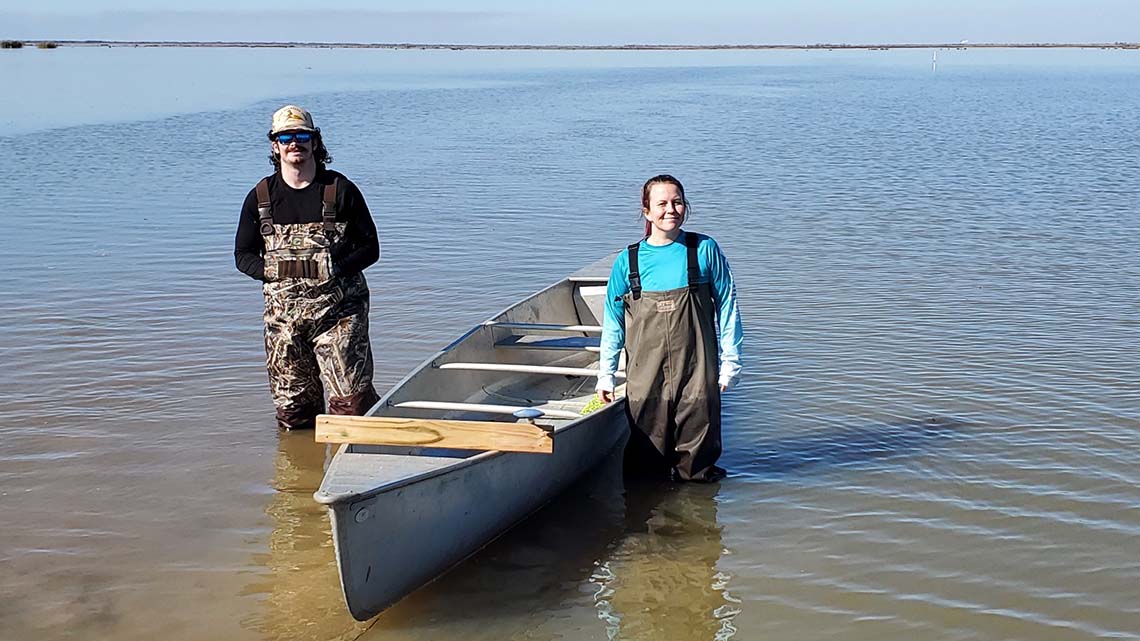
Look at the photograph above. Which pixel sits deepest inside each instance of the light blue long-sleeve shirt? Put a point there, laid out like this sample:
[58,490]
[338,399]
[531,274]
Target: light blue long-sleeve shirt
[663,268]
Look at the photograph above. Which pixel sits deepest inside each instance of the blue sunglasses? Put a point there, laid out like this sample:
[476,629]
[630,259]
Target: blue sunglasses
[299,136]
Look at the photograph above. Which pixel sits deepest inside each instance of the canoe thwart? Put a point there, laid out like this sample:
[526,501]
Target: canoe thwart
[481,407]
[545,327]
[528,369]
[571,343]
[419,432]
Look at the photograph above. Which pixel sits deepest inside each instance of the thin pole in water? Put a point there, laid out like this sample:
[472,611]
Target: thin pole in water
[934,60]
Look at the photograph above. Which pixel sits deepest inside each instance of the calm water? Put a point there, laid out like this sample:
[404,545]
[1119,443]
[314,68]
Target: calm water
[939,274]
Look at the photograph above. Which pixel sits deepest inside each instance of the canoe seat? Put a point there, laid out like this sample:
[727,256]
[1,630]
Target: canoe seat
[529,369]
[571,343]
[545,327]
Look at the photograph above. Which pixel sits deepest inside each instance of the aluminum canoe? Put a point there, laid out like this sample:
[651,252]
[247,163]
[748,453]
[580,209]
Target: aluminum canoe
[403,516]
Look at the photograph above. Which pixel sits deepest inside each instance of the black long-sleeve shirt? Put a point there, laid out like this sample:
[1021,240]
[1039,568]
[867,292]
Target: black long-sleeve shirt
[295,206]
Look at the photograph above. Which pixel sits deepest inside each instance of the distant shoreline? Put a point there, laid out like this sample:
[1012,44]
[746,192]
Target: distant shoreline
[568,47]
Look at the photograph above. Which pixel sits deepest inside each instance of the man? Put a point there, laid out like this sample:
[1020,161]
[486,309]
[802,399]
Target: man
[306,232]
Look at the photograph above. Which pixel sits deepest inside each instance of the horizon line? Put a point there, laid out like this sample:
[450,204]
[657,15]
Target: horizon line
[583,47]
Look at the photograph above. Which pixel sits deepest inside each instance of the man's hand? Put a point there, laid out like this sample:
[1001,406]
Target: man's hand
[270,268]
[606,397]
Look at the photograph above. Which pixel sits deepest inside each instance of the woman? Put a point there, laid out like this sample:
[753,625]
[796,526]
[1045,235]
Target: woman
[671,303]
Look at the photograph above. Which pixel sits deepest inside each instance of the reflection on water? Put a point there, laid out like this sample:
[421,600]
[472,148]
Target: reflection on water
[607,560]
[301,590]
[660,580]
[532,583]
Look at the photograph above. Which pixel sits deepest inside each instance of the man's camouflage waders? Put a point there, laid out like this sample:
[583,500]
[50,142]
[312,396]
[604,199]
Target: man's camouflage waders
[672,389]
[316,322]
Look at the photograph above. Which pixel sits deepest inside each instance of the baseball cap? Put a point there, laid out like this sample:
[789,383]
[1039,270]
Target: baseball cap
[291,118]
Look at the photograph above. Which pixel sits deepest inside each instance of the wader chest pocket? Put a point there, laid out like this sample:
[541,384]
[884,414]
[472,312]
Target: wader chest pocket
[298,269]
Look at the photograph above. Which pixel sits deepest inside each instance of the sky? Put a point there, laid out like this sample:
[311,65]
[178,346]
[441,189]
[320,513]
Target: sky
[583,22]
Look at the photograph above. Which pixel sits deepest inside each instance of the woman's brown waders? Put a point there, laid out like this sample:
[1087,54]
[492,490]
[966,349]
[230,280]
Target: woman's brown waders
[672,388]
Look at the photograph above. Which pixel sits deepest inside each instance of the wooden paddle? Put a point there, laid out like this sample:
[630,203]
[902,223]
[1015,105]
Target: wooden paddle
[461,435]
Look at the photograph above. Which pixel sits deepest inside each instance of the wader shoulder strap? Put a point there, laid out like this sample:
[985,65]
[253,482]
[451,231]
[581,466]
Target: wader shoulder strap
[328,206]
[634,275]
[264,213]
[691,242]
